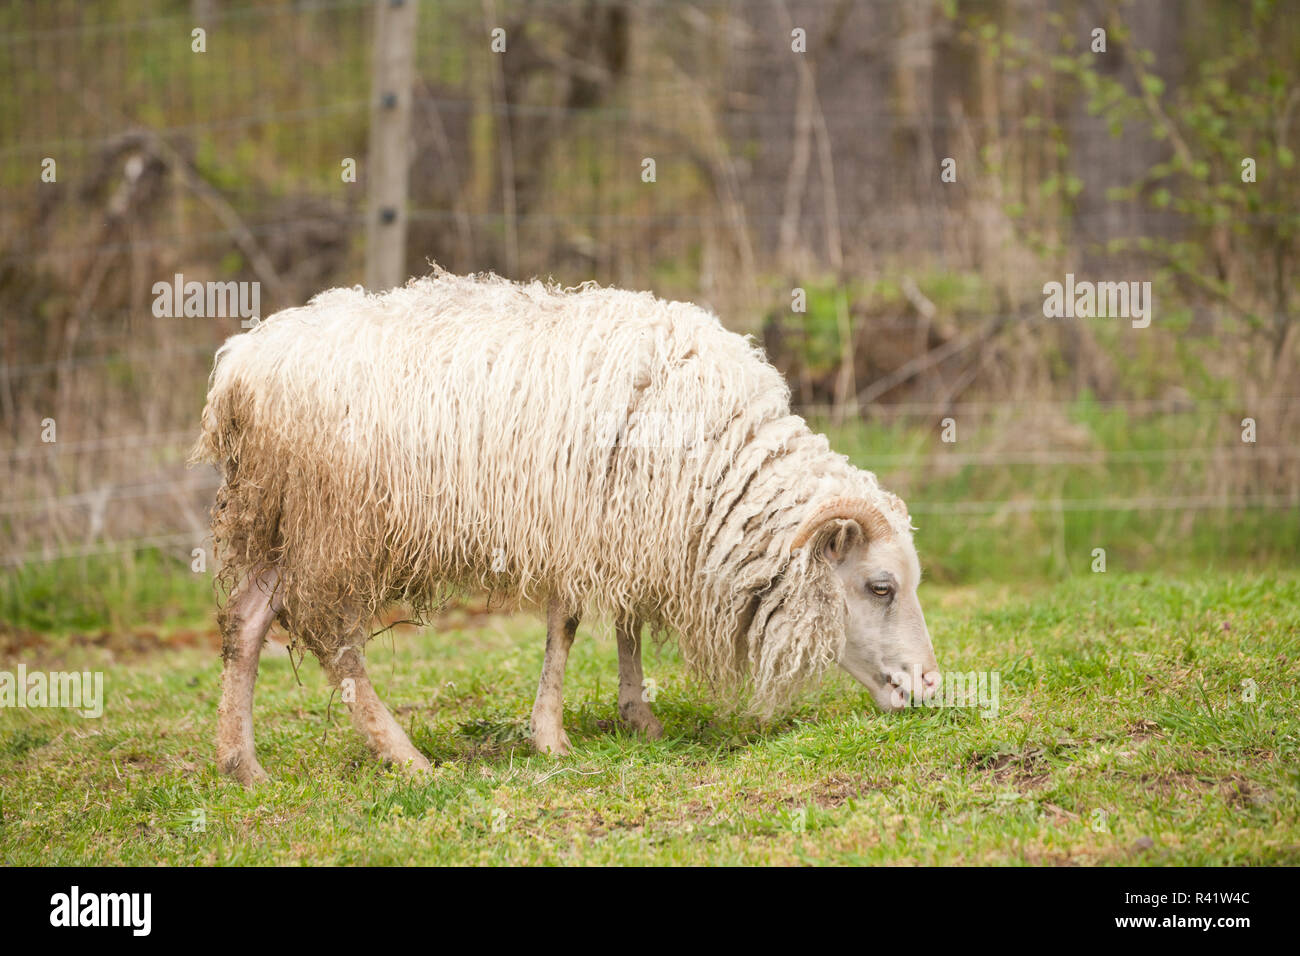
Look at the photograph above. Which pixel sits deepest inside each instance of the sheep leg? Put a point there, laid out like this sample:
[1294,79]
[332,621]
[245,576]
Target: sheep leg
[244,622]
[548,709]
[385,737]
[632,707]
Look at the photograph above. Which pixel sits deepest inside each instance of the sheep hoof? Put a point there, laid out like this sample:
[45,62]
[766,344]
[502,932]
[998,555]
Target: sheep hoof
[556,745]
[413,766]
[638,718]
[650,726]
[245,770]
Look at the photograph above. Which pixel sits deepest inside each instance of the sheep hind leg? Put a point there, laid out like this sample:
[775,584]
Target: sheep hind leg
[548,709]
[633,709]
[385,737]
[244,622]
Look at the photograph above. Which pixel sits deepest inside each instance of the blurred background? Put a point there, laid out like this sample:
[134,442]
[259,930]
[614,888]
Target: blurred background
[876,190]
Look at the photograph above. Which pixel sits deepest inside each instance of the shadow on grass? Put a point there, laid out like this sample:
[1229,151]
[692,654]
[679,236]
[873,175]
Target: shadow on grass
[691,731]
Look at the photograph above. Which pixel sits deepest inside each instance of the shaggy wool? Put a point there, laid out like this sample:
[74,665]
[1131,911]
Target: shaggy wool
[615,451]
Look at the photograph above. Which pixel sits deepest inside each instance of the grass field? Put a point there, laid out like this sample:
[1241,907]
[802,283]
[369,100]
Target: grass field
[1140,720]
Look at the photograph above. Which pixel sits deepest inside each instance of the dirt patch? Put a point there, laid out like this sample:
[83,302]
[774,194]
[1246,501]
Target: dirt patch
[840,789]
[1143,729]
[1059,815]
[1026,769]
[829,794]
[1171,783]
[33,648]
[1246,794]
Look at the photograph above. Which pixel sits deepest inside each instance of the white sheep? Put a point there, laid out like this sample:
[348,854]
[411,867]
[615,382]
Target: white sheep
[605,450]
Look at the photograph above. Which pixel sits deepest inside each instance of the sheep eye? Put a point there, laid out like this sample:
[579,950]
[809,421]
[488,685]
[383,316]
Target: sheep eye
[880,589]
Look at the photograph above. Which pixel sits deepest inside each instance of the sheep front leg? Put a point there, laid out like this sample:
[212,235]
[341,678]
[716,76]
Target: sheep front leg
[548,709]
[244,622]
[632,706]
[385,737]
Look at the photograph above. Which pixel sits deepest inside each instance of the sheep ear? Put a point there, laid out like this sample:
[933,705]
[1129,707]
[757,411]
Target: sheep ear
[842,536]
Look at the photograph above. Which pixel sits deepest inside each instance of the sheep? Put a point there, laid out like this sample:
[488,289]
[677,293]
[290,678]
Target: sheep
[603,451]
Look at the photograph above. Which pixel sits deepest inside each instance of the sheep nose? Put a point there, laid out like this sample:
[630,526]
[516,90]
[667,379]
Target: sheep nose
[900,688]
[912,687]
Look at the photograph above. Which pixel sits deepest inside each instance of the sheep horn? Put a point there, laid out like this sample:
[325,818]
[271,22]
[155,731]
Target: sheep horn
[870,517]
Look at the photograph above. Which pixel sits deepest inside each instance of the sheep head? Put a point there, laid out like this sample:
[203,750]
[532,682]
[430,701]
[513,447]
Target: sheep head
[874,571]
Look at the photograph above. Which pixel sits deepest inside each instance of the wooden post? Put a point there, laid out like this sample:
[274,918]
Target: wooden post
[388,171]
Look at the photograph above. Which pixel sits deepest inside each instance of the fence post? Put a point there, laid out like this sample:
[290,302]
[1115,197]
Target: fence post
[388,170]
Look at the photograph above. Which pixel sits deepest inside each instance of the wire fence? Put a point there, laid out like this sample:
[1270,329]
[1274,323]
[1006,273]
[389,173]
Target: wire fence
[199,488]
[233,109]
[184,543]
[230,162]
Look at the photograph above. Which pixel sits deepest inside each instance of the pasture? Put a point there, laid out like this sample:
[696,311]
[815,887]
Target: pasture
[1140,719]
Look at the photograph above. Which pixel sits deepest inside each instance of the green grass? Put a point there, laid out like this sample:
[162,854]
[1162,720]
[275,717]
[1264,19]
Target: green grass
[1121,736]
[114,592]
